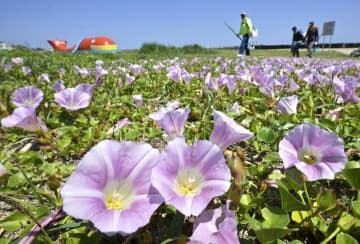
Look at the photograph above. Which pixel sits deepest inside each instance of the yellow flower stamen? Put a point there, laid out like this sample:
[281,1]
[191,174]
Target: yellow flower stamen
[118,195]
[189,182]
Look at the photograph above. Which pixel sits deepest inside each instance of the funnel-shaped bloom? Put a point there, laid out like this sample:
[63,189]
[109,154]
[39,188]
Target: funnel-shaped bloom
[73,99]
[120,124]
[129,79]
[58,86]
[317,153]
[189,177]
[215,226]
[88,88]
[111,187]
[26,70]
[136,69]
[24,118]
[45,77]
[17,60]
[28,96]
[138,100]
[211,83]
[288,105]
[235,108]
[227,132]
[346,90]
[172,121]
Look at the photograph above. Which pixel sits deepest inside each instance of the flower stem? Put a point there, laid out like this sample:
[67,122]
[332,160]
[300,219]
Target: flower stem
[307,196]
[331,236]
[28,180]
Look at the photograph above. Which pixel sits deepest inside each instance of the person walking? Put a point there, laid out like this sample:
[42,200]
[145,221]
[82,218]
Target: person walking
[311,38]
[246,28]
[297,41]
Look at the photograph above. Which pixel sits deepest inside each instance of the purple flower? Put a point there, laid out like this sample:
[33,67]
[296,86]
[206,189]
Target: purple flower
[17,60]
[136,69]
[138,100]
[28,96]
[99,62]
[189,177]
[26,70]
[211,83]
[215,226]
[100,72]
[24,118]
[45,77]
[334,114]
[172,121]
[84,72]
[317,153]
[287,105]
[267,90]
[87,88]
[235,108]
[111,187]
[129,79]
[73,99]
[346,90]
[227,132]
[119,125]
[293,86]
[58,86]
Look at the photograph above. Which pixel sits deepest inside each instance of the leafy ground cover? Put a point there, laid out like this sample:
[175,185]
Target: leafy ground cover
[144,148]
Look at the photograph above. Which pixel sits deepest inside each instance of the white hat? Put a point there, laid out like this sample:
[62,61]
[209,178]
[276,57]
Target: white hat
[243,13]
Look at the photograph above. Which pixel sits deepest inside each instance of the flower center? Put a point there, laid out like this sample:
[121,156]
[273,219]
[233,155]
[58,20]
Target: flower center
[308,155]
[28,102]
[309,159]
[189,182]
[118,195]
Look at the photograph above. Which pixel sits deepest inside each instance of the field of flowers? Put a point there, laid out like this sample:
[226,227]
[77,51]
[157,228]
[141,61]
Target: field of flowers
[105,149]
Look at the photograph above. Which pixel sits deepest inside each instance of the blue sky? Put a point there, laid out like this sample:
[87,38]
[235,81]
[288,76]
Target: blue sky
[130,23]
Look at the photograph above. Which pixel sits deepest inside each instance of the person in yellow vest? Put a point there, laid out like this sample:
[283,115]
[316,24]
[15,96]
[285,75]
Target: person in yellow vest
[246,28]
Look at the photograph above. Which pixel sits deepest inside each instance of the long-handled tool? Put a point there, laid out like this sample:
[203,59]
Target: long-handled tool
[232,30]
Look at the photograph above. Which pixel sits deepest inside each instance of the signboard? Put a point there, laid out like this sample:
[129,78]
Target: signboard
[328,28]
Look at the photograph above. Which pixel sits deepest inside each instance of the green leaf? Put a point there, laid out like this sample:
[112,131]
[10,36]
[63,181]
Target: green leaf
[271,234]
[346,221]
[63,142]
[355,206]
[15,221]
[4,240]
[71,225]
[288,201]
[275,218]
[343,238]
[294,178]
[16,180]
[296,242]
[299,216]
[352,175]
[271,157]
[326,200]
[266,135]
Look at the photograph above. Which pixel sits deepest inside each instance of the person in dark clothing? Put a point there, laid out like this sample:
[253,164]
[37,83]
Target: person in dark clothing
[297,41]
[311,38]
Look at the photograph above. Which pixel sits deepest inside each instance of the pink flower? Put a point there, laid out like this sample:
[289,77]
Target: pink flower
[111,187]
[189,177]
[317,153]
[227,132]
